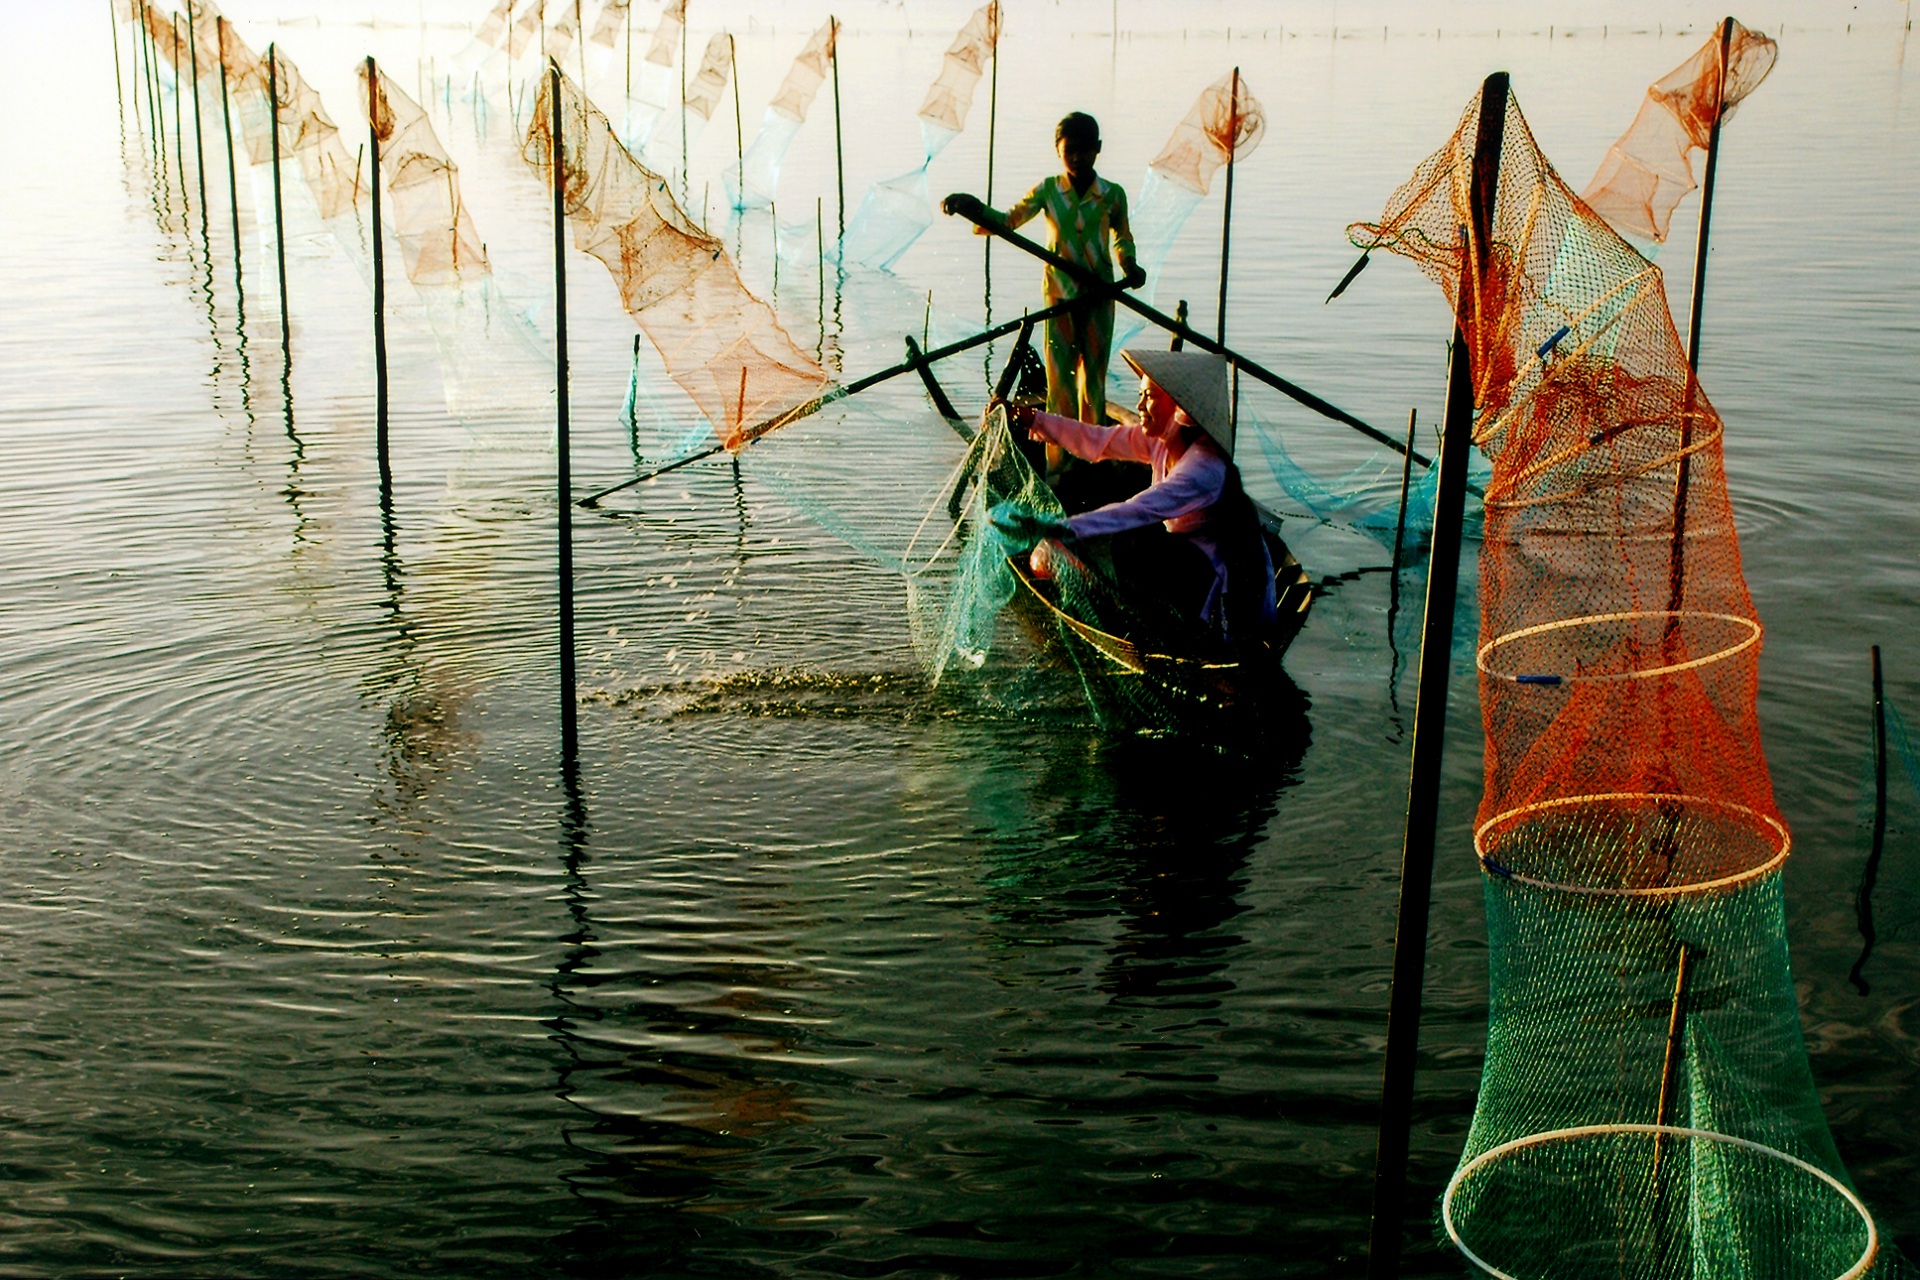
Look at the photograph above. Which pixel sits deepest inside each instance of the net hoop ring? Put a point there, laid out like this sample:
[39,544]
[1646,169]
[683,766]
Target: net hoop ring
[1492,1154]
[1783,840]
[1752,638]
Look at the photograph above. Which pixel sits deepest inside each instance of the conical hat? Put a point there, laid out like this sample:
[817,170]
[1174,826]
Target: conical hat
[1197,382]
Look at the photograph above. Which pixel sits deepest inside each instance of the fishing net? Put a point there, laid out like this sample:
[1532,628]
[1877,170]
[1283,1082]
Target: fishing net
[758,176]
[1648,171]
[721,344]
[897,211]
[1225,120]
[1646,1108]
[437,238]
[703,93]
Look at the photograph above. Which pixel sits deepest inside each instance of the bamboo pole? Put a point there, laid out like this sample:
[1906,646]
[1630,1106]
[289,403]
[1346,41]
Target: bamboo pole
[1226,216]
[226,118]
[740,140]
[179,121]
[379,276]
[1869,878]
[113,29]
[1406,478]
[839,147]
[569,711]
[143,76]
[199,143]
[993,113]
[279,205]
[1676,572]
[1670,1065]
[1430,717]
[150,56]
[683,114]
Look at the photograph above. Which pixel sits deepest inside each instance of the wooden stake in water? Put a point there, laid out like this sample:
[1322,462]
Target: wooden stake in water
[993,112]
[279,207]
[1670,1066]
[226,119]
[739,130]
[1226,216]
[1676,574]
[199,143]
[569,713]
[179,121]
[1430,714]
[113,29]
[1870,876]
[683,114]
[379,275]
[839,147]
[1406,479]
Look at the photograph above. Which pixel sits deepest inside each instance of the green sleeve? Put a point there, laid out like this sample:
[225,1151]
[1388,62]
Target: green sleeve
[1027,207]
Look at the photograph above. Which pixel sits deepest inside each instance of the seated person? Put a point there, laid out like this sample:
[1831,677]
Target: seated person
[1210,561]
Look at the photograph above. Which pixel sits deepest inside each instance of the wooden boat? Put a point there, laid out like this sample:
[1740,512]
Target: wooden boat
[1145,669]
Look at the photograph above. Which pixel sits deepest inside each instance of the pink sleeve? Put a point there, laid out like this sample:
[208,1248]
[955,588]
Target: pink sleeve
[1095,444]
[1194,482]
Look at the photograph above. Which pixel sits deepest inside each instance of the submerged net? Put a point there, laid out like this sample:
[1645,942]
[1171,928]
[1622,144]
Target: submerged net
[721,344]
[897,211]
[1648,171]
[758,176]
[1646,1107]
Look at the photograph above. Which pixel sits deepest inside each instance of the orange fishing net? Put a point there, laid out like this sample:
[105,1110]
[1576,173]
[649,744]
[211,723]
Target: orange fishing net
[1619,649]
[703,94]
[493,31]
[437,238]
[966,61]
[1646,173]
[719,342]
[805,76]
[606,28]
[1222,123]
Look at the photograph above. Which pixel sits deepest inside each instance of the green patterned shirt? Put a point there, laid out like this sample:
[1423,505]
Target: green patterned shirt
[1079,227]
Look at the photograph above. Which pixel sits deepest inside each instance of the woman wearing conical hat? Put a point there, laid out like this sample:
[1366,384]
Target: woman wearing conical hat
[1185,434]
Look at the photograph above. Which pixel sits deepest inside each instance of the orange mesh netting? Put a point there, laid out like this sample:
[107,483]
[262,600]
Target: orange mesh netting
[805,76]
[1645,1111]
[1619,648]
[966,61]
[703,93]
[437,237]
[1222,123]
[493,31]
[719,342]
[1646,173]
[666,37]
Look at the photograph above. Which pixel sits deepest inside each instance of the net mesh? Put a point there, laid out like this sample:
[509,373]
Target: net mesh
[438,242]
[758,178]
[1628,830]
[951,95]
[1648,171]
[703,92]
[1225,120]
[721,344]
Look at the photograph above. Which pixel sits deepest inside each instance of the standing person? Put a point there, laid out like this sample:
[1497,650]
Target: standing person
[1211,561]
[1087,225]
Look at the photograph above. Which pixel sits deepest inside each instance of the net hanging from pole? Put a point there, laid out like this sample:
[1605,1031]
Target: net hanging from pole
[1646,1107]
[897,211]
[721,344]
[758,179]
[438,242]
[1650,169]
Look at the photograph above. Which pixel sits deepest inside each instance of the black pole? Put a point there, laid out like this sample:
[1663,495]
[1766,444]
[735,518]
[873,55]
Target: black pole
[379,277]
[569,712]
[1676,577]
[1863,902]
[1670,1063]
[938,394]
[683,115]
[1430,714]
[1180,318]
[1226,217]
[993,112]
[279,207]
[179,121]
[199,143]
[740,149]
[1090,284]
[143,75]
[226,118]
[839,149]
[1406,478]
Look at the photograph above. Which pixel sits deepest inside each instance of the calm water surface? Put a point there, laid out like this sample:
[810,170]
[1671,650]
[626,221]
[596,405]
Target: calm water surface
[316,965]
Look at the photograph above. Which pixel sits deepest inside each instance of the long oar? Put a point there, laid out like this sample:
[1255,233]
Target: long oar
[975,213]
[842,392]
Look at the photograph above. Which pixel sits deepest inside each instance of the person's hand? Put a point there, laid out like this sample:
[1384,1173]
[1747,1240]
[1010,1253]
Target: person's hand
[1136,275]
[963,204]
[1022,525]
[1021,416]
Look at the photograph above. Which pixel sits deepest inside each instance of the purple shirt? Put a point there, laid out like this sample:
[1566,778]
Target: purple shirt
[1185,483]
